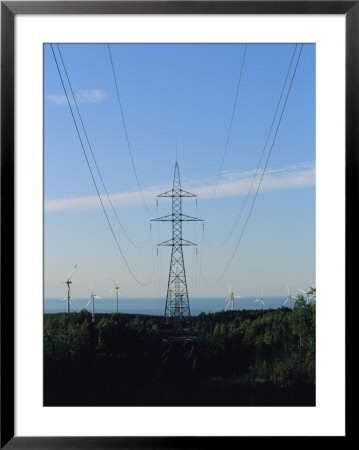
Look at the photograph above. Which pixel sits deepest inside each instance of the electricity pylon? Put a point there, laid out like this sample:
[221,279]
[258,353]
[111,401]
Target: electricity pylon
[177,309]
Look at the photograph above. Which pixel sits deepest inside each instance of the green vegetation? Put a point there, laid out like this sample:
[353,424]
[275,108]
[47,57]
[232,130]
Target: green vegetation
[249,357]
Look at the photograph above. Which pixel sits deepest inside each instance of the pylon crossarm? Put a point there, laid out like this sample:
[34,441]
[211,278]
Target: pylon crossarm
[171,218]
[177,193]
[171,242]
[168,218]
[185,218]
[185,242]
[167,194]
[184,193]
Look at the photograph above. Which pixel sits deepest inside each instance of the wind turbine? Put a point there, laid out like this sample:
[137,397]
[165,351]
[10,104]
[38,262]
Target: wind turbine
[289,298]
[231,296]
[92,299]
[260,300]
[117,290]
[68,282]
[310,291]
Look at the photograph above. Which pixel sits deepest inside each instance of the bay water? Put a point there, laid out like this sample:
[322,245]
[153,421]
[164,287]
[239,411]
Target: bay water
[156,306]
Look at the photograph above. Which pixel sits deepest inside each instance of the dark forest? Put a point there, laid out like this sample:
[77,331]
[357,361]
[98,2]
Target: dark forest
[230,358]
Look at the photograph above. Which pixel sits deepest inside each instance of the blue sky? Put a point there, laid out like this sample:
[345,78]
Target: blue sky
[180,95]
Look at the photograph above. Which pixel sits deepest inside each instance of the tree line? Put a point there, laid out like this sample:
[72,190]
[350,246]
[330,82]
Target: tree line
[231,350]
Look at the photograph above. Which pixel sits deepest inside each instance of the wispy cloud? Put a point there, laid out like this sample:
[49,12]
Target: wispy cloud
[91,96]
[92,202]
[83,96]
[56,99]
[233,184]
[237,183]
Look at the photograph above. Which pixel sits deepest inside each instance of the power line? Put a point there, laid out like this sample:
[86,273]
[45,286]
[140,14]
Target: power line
[94,159]
[261,157]
[265,167]
[229,129]
[92,175]
[126,133]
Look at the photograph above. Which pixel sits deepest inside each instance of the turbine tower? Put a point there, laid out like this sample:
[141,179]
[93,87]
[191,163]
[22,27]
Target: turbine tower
[289,298]
[92,299]
[177,309]
[68,282]
[117,290]
[230,297]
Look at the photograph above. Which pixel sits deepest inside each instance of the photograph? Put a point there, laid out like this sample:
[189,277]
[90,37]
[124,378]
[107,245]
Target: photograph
[179,219]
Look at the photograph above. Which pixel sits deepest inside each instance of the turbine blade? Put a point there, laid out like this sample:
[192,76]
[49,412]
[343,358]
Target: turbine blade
[73,270]
[89,301]
[61,282]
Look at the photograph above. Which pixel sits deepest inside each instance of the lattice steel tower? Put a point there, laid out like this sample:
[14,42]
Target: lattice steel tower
[177,305]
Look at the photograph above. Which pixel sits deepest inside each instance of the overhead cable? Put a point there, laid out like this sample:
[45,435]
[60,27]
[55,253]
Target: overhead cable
[93,178]
[265,167]
[260,159]
[126,133]
[229,130]
[94,159]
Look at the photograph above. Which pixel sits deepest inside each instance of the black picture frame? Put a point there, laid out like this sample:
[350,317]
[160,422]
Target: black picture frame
[9,9]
